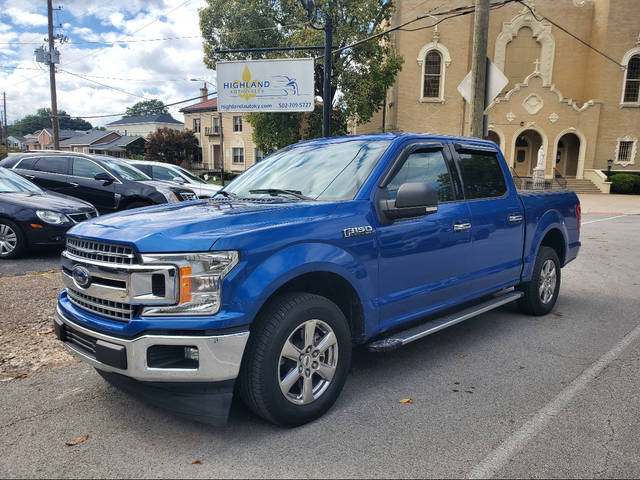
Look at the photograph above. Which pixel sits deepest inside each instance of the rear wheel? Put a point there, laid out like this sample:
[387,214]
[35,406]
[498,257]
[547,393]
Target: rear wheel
[12,241]
[541,293]
[297,359]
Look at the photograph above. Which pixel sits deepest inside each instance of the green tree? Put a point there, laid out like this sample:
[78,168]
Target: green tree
[171,146]
[361,74]
[146,107]
[42,119]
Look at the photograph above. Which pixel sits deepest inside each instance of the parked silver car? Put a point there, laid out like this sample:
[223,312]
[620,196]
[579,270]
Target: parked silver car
[176,174]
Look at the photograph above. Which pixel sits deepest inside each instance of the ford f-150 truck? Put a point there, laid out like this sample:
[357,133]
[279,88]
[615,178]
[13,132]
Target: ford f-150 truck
[374,240]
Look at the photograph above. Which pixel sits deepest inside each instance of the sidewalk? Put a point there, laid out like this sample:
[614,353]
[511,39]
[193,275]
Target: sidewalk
[610,204]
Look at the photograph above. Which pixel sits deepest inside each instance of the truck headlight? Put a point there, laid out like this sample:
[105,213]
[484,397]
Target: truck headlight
[199,281]
[54,218]
[169,195]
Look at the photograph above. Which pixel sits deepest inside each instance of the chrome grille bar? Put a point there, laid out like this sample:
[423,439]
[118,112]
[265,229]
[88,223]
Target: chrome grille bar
[103,252]
[107,308]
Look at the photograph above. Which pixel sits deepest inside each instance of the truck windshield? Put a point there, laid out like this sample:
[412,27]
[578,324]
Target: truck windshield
[332,171]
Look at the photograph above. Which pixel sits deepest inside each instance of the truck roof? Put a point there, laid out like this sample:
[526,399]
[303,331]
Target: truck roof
[393,136]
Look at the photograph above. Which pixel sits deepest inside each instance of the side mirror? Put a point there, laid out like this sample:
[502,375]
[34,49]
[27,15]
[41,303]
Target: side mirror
[104,177]
[413,200]
[179,180]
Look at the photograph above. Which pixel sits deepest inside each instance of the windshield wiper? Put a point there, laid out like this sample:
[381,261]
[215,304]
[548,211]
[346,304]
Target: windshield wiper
[280,191]
[226,194]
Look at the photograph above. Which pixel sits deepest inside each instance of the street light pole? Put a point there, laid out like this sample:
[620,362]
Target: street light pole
[326,89]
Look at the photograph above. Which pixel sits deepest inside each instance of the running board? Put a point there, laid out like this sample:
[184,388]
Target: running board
[399,339]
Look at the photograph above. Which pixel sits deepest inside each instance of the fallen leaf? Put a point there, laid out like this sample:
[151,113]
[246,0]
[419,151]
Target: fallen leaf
[20,375]
[522,366]
[196,462]
[406,400]
[77,440]
[51,298]
[462,355]
[557,314]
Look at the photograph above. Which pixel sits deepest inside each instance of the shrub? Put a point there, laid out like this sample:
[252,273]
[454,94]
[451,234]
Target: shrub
[625,183]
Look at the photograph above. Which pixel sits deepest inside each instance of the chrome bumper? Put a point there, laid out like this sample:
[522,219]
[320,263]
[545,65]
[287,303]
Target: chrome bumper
[219,355]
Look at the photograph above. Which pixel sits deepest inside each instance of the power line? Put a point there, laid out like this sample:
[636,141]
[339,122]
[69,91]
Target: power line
[560,27]
[103,84]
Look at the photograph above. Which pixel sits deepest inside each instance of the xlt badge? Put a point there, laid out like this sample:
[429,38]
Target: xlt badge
[357,231]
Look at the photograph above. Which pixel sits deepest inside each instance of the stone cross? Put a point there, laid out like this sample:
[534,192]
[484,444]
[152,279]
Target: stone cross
[537,66]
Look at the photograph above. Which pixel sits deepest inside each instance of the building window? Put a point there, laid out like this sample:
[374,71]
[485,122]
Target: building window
[433,59]
[259,155]
[632,81]
[237,124]
[238,154]
[626,151]
[215,123]
[196,125]
[432,67]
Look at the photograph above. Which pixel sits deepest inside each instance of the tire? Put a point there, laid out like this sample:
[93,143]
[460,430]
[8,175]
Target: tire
[12,241]
[267,363]
[541,293]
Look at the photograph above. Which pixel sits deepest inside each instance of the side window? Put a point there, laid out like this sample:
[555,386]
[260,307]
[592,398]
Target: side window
[424,166]
[482,175]
[86,168]
[53,165]
[163,173]
[27,163]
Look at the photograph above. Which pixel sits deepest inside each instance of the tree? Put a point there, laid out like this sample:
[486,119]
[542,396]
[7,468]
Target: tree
[171,146]
[147,107]
[42,119]
[361,74]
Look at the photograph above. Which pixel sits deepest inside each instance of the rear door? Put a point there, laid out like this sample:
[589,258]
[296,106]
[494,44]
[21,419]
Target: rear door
[497,218]
[51,173]
[423,261]
[84,186]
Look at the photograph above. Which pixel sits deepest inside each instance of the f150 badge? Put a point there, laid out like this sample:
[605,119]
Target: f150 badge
[357,231]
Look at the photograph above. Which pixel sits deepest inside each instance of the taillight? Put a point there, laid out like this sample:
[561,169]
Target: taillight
[579,215]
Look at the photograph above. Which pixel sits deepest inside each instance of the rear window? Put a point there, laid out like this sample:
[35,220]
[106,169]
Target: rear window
[27,163]
[482,175]
[53,165]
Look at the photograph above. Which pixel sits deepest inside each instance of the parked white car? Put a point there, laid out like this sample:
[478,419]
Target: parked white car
[176,174]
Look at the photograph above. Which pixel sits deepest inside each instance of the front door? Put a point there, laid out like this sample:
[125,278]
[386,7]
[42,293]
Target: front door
[84,186]
[423,260]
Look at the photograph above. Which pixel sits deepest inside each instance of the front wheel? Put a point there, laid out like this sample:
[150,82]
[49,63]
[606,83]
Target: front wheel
[297,359]
[541,293]
[12,241]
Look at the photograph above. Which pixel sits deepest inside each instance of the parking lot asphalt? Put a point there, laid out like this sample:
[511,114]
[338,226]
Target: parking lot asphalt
[503,394]
[42,260]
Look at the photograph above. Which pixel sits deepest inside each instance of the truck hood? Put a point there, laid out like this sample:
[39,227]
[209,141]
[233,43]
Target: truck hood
[194,226]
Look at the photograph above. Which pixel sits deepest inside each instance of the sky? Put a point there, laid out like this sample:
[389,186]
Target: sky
[144,69]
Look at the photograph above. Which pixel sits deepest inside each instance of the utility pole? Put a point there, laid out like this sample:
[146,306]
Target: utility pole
[326,89]
[479,68]
[52,80]
[5,130]
[221,149]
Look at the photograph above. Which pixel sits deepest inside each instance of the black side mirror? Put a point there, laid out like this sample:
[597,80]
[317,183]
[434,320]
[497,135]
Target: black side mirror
[413,200]
[104,177]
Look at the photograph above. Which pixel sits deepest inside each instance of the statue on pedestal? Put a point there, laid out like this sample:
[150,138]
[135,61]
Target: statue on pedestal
[538,172]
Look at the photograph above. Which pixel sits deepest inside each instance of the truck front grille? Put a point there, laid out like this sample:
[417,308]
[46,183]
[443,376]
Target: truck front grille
[103,252]
[118,311]
[186,196]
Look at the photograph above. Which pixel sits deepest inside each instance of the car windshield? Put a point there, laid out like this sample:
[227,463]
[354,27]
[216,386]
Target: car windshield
[189,175]
[12,182]
[124,170]
[330,171]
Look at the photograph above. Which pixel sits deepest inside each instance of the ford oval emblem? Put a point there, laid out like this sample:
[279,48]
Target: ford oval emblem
[81,277]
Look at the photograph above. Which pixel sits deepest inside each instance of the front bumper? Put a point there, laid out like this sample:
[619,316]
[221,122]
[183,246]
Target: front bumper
[219,355]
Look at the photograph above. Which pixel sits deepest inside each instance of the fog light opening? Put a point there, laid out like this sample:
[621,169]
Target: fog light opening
[191,353]
[173,357]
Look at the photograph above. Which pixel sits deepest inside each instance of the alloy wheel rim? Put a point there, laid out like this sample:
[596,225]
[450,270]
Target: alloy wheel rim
[547,283]
[8,239]
[307,362]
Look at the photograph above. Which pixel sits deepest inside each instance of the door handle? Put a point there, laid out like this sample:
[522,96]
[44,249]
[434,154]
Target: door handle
[515,218]
[30,177]
[74,184]
[461,226]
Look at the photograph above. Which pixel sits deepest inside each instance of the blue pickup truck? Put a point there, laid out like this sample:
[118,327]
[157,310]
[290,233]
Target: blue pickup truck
[264,289]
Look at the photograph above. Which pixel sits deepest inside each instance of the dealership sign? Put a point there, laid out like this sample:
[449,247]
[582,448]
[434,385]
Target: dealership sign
[284,85]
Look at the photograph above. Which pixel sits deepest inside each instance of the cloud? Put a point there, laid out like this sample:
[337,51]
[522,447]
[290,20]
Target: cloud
[150,69]
[21,17]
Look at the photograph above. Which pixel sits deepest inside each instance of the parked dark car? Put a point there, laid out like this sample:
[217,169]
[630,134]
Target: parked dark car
[109,183]
[32,217]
